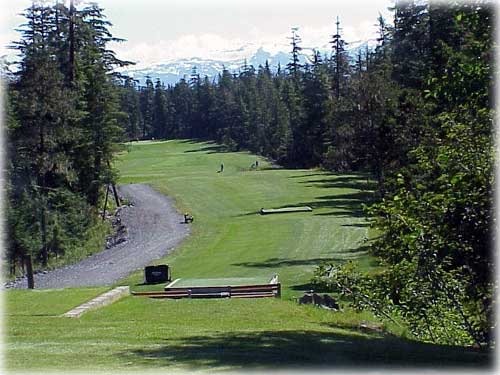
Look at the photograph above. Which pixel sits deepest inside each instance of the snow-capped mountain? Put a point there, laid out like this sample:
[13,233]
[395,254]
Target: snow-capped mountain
[172,71]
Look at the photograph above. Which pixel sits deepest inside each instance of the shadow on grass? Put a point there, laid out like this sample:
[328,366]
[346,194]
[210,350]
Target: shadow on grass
[250,213]
[350,254]
[346,182]
[310,175]
[208,148]
[305,349]
[194,141]
[344,205]
[357,225]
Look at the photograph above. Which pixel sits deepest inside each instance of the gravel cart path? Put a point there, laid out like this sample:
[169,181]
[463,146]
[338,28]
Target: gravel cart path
[154,229]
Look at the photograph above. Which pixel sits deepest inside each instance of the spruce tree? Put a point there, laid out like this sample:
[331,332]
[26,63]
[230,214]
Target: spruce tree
[340,62]
[159,121]
[129,104]
[146,105]
[294,65]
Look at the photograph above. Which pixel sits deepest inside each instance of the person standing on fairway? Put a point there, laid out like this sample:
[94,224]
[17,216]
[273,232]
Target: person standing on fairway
[221,167]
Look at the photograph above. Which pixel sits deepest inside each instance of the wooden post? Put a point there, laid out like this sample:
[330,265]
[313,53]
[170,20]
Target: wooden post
[117,199]
[105,203]
[115,193]
[29,269]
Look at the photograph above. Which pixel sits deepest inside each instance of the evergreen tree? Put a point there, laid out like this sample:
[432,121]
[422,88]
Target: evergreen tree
[43,116]
[62,123]
[410,43]
[292,96]
[206,108]
[146,103]
[319,111]
[182,98]
[294,65]
[160,109]
[99,126]
[340,62]
[129,103]
[435,221]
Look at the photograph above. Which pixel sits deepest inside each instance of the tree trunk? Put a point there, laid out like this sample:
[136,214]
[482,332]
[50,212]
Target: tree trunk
[105,203]
[71,60]
[115,193]
[43,222]
[29,270]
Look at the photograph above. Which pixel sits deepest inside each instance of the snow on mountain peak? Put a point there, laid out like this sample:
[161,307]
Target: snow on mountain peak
[171,71]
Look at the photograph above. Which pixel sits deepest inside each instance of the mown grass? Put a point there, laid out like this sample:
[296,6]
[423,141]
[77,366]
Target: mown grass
[139,333]
[229,239]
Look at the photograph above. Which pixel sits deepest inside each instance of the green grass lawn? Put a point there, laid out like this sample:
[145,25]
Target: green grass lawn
[229,240]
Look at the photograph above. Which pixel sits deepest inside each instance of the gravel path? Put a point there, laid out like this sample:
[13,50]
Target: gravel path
[154,229]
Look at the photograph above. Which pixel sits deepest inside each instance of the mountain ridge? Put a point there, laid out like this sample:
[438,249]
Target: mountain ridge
[171,72]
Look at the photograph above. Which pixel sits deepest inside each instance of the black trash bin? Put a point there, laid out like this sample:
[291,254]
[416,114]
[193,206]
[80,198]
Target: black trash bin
[156,274]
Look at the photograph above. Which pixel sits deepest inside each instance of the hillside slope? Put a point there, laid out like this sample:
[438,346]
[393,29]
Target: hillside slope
[229,239]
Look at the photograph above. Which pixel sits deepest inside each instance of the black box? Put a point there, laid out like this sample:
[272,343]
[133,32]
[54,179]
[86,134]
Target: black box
[156,274]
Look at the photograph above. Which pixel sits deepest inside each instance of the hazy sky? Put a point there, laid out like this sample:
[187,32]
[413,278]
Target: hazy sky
[162,30]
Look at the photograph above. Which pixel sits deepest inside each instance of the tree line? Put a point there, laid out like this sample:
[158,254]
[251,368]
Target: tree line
[62,122]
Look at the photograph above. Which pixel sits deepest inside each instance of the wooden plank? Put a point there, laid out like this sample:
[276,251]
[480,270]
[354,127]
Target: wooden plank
[247,291]
[285,210]
[214,288]
[212,292]
[269,295]
[220,282]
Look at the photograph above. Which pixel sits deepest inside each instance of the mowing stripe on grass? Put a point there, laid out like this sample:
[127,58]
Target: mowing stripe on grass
[100,301]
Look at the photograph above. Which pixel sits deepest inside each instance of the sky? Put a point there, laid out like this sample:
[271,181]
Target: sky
[166,30]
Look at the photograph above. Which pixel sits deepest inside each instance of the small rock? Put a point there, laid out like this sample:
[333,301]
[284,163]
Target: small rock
[330,302]
[305,299]
[366,327]
[325,301]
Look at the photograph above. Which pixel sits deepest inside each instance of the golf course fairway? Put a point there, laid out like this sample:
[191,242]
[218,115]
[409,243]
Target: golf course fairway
[229,239]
